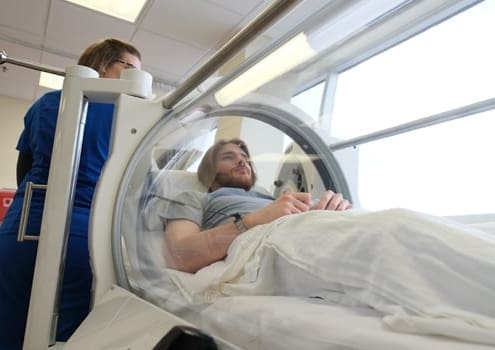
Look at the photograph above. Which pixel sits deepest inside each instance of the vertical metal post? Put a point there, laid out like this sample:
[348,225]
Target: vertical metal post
[56,215]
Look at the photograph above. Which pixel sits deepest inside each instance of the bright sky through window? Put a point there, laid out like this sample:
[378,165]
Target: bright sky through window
[446,169]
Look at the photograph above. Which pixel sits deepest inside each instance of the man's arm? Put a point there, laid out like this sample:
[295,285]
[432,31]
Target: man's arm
[189,249]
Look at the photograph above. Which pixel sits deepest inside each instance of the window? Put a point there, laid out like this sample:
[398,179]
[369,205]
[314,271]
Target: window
[445,169]
[448,66]
[310,100]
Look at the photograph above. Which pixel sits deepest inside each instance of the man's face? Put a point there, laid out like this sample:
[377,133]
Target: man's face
[232,166]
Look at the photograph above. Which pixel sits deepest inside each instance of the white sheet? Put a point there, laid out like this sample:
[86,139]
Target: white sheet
[281,323]
[425,274]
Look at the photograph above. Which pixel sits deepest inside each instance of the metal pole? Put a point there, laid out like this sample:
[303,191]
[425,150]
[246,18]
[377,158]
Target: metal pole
[55,225]
[465,111]
[30,64]
[227,51]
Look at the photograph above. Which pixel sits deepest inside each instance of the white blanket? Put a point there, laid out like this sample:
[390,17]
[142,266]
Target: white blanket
[425,274]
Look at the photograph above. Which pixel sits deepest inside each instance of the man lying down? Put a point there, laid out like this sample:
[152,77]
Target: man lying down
[425,274]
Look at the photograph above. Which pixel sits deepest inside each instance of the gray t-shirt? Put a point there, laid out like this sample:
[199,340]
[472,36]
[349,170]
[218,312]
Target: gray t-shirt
[209,210]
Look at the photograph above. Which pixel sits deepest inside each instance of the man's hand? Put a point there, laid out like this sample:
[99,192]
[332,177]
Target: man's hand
[294,203]
[286,204]
[332,201]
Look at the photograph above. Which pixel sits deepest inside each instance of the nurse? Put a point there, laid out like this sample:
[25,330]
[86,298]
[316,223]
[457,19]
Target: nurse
[17,259]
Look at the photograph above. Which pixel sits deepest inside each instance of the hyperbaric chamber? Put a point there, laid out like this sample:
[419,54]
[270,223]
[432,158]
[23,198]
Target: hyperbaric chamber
[287,153]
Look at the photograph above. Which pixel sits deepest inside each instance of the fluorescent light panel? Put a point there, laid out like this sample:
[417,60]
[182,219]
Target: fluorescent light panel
[51,81]
[127,10]
[286,57]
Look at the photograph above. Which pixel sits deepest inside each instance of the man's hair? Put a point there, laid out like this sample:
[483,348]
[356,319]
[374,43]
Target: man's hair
[101,54]
[207,170]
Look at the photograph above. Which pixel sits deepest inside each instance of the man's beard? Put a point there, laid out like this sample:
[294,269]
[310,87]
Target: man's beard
[228,180]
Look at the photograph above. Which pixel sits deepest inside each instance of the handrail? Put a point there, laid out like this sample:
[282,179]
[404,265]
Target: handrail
[26,205]
[30,64]
[457,113]
[227,51]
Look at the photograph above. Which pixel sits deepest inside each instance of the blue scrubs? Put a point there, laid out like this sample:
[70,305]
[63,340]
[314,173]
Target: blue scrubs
[17,259]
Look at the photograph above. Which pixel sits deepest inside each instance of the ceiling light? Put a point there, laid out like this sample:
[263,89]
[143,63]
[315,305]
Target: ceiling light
[127,10]
[51,81]
[286,57]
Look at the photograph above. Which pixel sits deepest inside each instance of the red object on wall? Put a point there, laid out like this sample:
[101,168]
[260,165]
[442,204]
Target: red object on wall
[6,197]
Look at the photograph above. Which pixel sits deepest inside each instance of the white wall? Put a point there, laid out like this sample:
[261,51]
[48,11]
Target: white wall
[12,112]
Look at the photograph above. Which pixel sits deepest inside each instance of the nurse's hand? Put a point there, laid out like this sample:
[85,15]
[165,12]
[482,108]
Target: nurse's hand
[332,201]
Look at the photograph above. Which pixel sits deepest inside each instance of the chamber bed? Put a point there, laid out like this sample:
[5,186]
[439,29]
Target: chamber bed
[257,308]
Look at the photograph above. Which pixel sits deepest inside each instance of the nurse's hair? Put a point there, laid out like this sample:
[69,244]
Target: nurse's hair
[206,169]
[101,54]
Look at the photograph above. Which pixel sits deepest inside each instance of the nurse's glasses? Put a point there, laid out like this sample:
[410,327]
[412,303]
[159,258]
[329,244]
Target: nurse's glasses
[126,64]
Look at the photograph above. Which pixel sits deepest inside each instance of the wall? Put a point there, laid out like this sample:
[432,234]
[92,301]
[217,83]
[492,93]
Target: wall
[12,123]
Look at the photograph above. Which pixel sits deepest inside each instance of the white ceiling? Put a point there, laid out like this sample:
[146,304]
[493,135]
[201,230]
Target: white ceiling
[174,36]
